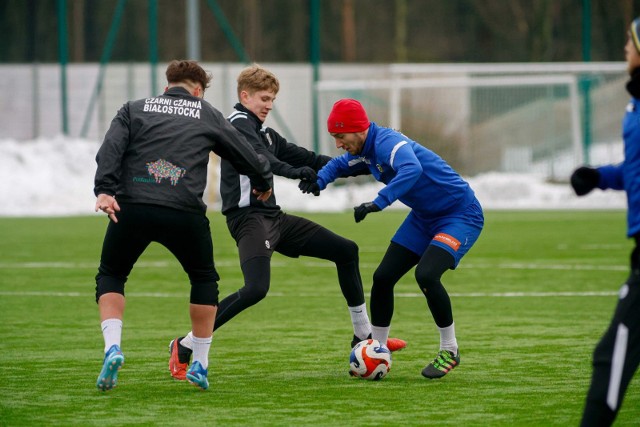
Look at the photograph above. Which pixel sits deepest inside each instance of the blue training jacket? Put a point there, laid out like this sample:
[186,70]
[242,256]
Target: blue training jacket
[626,175]
[413,174]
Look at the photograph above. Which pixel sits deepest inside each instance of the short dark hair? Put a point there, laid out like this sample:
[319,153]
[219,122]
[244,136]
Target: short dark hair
[183,70]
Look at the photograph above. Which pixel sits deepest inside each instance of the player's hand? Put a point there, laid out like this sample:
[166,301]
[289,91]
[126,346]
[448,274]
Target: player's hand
[584,179]
[359,212]
[308,187]
[108,205]
[306,173]
[263,196]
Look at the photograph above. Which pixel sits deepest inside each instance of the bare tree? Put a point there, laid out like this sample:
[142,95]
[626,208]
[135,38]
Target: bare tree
[348,31]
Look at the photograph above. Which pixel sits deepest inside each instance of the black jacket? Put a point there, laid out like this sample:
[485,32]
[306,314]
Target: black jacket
[285,159]
[156,151]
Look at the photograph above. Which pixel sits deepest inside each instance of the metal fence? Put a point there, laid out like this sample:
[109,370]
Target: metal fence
[541,118]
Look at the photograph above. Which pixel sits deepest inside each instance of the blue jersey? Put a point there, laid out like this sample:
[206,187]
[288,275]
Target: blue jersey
[626,175]
[413,174]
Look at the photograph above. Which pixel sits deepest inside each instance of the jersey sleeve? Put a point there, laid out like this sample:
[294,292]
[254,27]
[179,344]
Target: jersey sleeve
[231,145]
[408,170]
[110,154]
[611,176]
[247,128]
[296,156]
[341,167]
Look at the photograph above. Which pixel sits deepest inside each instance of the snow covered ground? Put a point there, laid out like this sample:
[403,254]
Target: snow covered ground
[54,177]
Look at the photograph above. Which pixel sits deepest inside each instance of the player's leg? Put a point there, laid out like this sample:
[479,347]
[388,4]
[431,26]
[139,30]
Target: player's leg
[123,243]
[253,234]
[189,239]
[616,357]
[256,237]
[451,238]
[302,237]
[318,242]
[432,265]
[397,261]
[429,271]
[325,244]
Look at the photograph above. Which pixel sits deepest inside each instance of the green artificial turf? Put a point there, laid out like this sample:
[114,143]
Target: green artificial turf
[530,301]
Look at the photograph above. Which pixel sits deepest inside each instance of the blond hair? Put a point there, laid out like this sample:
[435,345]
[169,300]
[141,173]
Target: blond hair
[255,78]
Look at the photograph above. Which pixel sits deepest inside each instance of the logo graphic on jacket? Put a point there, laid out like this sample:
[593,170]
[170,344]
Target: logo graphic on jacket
[161,169]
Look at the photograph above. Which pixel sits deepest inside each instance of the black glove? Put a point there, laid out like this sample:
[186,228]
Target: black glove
[359,212]
[584,179]
[309,187]
[306,173]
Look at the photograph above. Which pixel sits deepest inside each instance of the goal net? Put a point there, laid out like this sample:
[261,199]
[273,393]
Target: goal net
[495,118]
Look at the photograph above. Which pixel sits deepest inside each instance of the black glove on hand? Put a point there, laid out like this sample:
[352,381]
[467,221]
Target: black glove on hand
[306,173]
[359,212]
[584,179]
[309,187]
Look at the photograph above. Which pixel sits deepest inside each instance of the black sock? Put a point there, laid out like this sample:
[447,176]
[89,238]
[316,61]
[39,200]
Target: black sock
[184,353]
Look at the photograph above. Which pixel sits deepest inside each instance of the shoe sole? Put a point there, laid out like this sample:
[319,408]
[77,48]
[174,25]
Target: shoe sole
[198,381]
[437,372]
[434,376]
[109,374]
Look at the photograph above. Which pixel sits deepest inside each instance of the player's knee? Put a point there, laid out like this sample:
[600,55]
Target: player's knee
[428,277]
[204,293]
[383,277]
[106,284]
[254,293]
[346,252]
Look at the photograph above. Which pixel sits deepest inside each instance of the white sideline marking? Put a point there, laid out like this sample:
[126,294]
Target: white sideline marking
[325,264]
[281,294]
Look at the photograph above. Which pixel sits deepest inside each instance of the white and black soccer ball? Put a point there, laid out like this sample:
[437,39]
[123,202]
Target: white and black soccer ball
[370,360]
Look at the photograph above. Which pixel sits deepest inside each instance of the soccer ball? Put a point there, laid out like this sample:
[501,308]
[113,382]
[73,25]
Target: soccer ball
[369,360]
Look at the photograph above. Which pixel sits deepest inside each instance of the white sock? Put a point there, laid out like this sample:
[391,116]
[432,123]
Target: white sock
[380,333]
[187,341]
[201,350]
[360,320]
[112,332]
[448,339]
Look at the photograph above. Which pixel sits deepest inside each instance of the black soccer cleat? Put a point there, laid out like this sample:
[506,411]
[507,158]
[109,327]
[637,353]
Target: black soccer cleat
[444,362]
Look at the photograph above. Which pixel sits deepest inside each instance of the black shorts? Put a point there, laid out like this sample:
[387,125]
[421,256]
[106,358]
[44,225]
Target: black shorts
[259,235]
[186,235]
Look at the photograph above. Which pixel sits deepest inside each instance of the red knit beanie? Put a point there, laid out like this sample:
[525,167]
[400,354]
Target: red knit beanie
[347,116]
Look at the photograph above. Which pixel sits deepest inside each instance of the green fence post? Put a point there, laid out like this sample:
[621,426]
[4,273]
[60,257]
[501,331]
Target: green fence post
[153,44]
[585,81]
[314,56]
[63,53]
[104,59]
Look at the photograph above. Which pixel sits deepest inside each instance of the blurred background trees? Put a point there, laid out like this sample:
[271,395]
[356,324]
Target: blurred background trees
[355,31]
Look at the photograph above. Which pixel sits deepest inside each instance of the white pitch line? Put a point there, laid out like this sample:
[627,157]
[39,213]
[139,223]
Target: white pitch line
[325,264]
[534,266]
[140,264]
[281,294]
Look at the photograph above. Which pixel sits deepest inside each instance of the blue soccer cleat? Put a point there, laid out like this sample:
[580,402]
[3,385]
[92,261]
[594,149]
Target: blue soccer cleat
[113,361]
[197,375]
